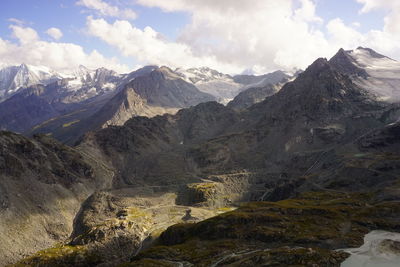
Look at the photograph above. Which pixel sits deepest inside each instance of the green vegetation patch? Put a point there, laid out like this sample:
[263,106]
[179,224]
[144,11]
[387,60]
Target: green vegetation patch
[65,125]
[61,256]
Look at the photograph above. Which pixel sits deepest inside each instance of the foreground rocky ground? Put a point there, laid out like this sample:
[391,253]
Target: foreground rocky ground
[304,231]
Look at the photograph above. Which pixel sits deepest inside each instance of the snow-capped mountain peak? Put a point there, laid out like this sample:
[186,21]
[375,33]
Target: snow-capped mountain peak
[383,74]
[89,82]
[375,63]
[202,74]
[12,78]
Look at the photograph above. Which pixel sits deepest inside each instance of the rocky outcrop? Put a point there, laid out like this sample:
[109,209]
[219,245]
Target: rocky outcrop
[125,105]
[113,226]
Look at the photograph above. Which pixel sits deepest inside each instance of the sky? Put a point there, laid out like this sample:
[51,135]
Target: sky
[232,36]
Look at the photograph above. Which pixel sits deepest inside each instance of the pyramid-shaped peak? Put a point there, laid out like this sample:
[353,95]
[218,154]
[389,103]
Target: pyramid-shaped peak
[318,64]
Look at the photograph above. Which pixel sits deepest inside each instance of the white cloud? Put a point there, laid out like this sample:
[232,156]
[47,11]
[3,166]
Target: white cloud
[369,5]
[345,36]
[270,34]
[307,12]
[148,46]
[392,20]
[106,9]
[234,35]
[386,40]
[55,33]
[227,35]
[55,55]
[25,35]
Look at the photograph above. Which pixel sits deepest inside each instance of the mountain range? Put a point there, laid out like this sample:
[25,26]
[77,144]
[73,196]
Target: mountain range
[292,172]
[69,105]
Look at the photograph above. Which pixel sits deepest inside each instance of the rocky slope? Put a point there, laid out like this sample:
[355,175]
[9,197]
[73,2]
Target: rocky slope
[43,184]
[123,106]
[26,109]
[324,214]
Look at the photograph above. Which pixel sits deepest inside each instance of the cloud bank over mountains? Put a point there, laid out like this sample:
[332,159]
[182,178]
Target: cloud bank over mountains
[231,36]
[30,49]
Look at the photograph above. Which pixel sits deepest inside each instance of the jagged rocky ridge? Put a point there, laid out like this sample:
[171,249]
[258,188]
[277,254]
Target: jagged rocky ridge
[69,105]
[322,140]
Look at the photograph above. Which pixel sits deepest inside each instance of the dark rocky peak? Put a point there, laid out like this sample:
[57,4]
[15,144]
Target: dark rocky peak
[319,93]
[345,64]
[325,79]
[319,72]
[317,66]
